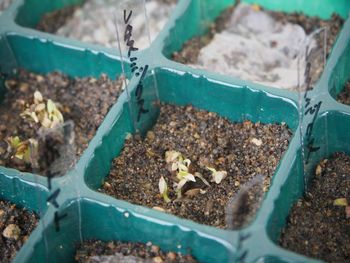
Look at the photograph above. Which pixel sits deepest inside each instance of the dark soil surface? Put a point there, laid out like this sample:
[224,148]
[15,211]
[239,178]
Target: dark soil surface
[316,226]
[52,21]
[85,101]
[207,140]
[344,95]
[190,50]
[16,224]
[127,251]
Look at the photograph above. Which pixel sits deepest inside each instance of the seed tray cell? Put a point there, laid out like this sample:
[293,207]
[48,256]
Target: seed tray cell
[90,214]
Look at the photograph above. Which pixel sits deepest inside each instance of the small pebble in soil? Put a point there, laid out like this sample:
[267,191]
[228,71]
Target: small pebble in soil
[16,224]
[319,224]
[12,231]
[96,251]
[207,140]
[344,95]
[85,101]
[241,34]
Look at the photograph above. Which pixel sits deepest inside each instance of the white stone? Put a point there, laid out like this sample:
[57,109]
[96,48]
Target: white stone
[12,231]
[256,141]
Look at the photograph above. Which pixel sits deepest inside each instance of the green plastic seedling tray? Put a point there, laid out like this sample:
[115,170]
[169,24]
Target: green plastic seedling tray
[91,214]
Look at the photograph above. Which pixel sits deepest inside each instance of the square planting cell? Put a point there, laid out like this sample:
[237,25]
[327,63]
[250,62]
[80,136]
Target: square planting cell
[259,41]
[314,218]
[74,19]
[106,222]
[22,204]
[243,143]
[206,98]
[28,122]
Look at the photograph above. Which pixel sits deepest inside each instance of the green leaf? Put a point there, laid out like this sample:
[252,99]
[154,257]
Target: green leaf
[181,174]
[34,117]
[179,187]
[190,177]
[182,167]
[163,189]
[340,202]
[187,162]
[59,115]
[27,155]
[21,150]
[14,142]
[50,106]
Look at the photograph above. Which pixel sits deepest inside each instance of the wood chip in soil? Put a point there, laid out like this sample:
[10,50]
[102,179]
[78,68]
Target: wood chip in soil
[190,50]
[95,251]
[344,95]
[16,224]
[85,101]
[319,223]
[243,150]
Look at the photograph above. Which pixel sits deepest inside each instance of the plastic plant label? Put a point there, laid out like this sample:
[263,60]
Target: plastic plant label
[132,30]
[241,209]
[132,25]
[312,54]
[54,152]
[53,155]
